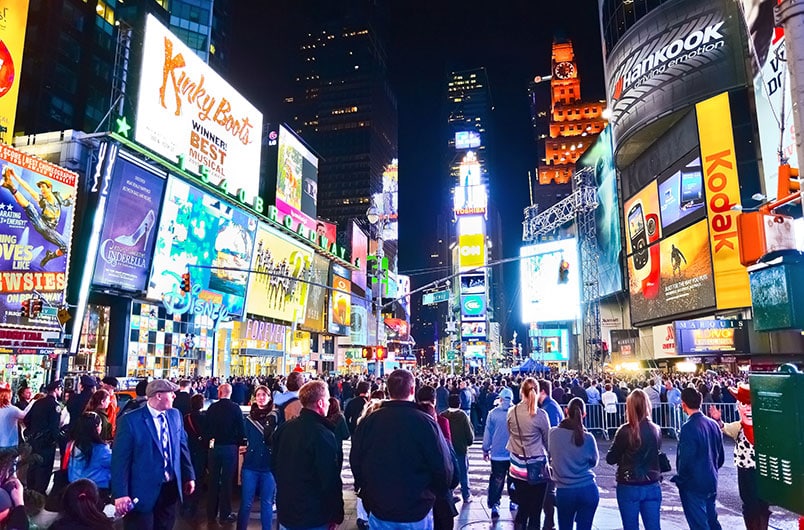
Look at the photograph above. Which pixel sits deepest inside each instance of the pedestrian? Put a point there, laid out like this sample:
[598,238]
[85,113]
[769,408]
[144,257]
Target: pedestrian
[444,511]
[140,399]
[495,440]
[556,416]
[42,432]
[24,397]
[635,451]
[442,393]
[12,504]
[226,428]
[338,424]
[463,435]
[287,403]
[81,508]
[528,426]
[256,473]
[10,419]
[195,425]
[99,404]
[401,496]
[354,407]
[77,404]
[304,460]
[182,401]
[700,455]
[90,458]
[573,456]
[151,462]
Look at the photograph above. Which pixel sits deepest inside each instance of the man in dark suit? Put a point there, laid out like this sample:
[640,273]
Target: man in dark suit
[182,401]
[700,455]
[42,432]
[151,462]
[224,425]
[354,407]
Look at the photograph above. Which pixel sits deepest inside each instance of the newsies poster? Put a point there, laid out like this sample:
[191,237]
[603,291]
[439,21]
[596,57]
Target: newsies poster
[36,225]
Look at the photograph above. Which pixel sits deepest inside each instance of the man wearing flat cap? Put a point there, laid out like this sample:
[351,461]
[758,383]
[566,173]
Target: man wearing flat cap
[151,467]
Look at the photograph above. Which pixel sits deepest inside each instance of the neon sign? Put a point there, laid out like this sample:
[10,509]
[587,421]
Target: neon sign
[178,303]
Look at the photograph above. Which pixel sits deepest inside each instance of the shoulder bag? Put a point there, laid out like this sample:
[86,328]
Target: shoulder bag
[535,470]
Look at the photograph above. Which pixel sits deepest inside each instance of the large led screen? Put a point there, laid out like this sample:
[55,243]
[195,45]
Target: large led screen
[555,345]
[186,110]
[358,330]
[472,251]
[600,158]
[469,200]
[684,282]
[681,194]
[317,295]
[359,255]
[467,140]
[127,238]
[473,306]
[340,301]
[296,179]
[473,284]
[36,226]
[711,336]
[550,283]
[278,287]
[473,330]
[642,224]
[207,237]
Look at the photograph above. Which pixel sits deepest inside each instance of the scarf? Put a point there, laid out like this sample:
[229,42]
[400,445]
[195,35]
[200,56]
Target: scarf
[258,414]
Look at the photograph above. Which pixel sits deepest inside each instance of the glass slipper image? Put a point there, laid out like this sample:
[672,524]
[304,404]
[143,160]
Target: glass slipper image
[143,230]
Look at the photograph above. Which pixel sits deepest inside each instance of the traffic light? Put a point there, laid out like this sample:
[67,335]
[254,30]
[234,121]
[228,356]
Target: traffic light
[185,282]
[382,353]
[563,271]
[25,310]
[36,307]
[368,353]
[787,181]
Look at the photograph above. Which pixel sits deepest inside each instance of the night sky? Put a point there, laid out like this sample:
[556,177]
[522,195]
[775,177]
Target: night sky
[428,39]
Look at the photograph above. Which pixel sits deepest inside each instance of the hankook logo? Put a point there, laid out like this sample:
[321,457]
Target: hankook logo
[681,50]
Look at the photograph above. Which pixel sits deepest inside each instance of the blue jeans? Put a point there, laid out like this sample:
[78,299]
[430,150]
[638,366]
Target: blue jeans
[699,509]
[379,524]
[463,473]
[577,505]
[636,500]
[256,482]
[499,471]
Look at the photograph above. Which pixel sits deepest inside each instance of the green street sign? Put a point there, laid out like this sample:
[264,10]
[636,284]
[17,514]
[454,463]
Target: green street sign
[451,354]
[436,297]
[49,311]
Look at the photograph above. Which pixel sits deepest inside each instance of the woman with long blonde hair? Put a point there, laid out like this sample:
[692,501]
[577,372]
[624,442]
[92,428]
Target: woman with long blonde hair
[528,426]
[635,450]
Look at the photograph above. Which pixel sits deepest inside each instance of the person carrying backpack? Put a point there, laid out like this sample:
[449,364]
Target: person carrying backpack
[287,403]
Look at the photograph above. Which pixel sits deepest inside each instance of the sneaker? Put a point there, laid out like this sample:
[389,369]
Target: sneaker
[231,518]
[467,499]
[495,513]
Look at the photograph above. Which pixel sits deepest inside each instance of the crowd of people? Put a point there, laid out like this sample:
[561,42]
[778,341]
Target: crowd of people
[153,457]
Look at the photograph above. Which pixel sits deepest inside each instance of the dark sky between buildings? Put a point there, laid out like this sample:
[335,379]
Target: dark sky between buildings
[428,39]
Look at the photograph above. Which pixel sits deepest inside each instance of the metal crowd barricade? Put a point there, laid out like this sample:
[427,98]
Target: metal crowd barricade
[668,417]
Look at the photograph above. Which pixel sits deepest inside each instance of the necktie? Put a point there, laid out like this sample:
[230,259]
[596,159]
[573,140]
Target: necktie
[165,445]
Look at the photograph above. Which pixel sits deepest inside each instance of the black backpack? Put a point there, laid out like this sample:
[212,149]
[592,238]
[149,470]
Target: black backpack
[280,411]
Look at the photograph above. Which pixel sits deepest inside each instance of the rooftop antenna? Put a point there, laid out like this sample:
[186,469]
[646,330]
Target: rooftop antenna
[530,188]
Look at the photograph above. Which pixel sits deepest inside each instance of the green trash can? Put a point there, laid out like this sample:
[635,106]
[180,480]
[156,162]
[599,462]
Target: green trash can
[777,406]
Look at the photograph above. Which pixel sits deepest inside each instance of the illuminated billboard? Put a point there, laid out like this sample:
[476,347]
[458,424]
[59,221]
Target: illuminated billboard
[340,301]
[317,295]
[387,202]
[471,251]
[296,179]
[684,282]
[473,306]
[600,158]
[12,40]
[473,330]
[127,238]
[403,290]
[554,343]
[36,228]
[358,329]
[467,140]
[473,284]
[681,194]
[207,237]
[359,255]
[711,336]
[187,113]
[278,287]
[550,282]
[470,200]
[471,224]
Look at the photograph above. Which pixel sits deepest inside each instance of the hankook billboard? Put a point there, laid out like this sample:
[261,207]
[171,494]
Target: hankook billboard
[678,54]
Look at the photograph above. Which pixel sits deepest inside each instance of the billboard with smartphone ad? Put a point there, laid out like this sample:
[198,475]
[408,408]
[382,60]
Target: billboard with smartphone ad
[600,158]
[642,225]
[127,238]
[684,282]
[317,295]
[186,110]
[36,228]
[340,301]
[207,237]
[549,275]
[681,194]
[276,287]
[296,179]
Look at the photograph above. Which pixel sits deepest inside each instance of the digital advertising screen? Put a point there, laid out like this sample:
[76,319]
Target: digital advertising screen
[340,301]
[642,222]
[555,345]
[473,306]
[473,284]
[207,237]
[685,282]
[681,194]
[469,171]
[296,178]
[711,336]
[472,251]
[12,35]
[277,287]
[473,330]
[127,238]
[314,316]
[403,291]
[470,200]
[550,281]
[358,330]
[36,228]
[467,140]
[600,158]
[397,329]
[359,255]
[185,109]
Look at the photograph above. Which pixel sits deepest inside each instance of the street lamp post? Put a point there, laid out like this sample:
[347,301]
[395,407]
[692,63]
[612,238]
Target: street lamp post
[376,219]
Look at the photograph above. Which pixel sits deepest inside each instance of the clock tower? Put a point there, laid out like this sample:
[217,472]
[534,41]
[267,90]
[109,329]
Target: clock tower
[573,123]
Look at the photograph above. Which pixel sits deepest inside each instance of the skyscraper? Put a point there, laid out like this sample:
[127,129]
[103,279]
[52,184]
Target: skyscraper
[343,105]
[469,106]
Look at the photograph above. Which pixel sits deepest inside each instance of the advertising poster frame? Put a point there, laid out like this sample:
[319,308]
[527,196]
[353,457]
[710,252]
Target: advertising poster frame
[545,296]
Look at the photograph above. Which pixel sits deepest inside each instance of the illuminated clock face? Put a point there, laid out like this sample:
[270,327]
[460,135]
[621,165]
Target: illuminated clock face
[564,70]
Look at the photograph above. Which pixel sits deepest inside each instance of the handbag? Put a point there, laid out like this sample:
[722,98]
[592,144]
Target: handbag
[664,462]
[535,470]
